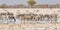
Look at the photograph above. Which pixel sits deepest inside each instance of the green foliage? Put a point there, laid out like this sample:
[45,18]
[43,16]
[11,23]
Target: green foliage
[31,3]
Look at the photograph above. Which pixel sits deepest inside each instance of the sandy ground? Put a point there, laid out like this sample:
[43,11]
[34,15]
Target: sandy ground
[17,11]
[29,26]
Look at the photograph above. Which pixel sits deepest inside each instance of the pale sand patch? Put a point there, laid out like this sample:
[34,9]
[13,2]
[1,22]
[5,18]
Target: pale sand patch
[29,26]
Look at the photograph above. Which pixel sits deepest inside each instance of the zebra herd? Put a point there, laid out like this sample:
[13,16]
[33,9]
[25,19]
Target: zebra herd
[28,18]
[38,17]
[7,18]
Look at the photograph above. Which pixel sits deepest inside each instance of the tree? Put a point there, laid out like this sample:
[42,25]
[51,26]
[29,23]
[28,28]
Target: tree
[4,6]
[31,2]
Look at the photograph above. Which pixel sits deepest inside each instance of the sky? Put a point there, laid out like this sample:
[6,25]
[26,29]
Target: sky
[25,2]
